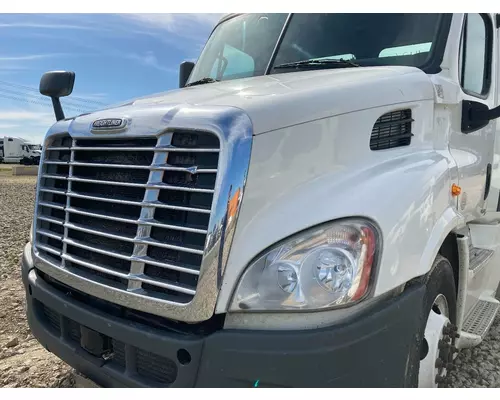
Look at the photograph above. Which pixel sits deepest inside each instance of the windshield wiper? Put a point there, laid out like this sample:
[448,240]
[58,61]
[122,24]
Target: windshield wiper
[327,63]
[202,81]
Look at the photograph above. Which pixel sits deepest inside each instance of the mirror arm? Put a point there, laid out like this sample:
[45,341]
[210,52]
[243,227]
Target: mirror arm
[494,113]
[58,111]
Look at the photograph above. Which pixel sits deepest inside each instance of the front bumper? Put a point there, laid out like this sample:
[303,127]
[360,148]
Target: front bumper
[371,350]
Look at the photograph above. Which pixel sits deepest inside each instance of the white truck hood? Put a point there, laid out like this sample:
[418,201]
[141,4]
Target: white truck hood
[276,101]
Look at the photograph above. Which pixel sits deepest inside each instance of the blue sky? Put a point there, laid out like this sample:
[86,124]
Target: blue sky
[115,57]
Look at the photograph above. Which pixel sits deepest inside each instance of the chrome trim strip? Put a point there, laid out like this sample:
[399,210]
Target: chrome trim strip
[133,277]
[49,234]
[141,239]
[152,222]
[53,191]
[234,129]
[76,243]
[165,148]
[143,259]
[52,220]
[58,149]
[156,204]
[157,185]
[159,167]
[51,205]
[49,249]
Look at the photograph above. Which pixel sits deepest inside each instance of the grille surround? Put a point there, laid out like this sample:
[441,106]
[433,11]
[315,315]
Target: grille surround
[234,131]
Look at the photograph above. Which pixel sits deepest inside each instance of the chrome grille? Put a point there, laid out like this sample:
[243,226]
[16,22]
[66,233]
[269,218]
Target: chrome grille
[129,213]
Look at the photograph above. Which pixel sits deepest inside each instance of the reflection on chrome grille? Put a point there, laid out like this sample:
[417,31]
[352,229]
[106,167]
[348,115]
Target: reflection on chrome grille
[129,213]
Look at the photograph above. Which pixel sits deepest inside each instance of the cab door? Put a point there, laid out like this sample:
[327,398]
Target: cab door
[493,205]
[474,151]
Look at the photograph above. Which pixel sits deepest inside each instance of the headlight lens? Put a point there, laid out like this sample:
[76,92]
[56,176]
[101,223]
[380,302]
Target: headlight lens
[322,268]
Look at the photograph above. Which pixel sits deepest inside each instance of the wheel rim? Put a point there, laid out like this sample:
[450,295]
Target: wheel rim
[437,320]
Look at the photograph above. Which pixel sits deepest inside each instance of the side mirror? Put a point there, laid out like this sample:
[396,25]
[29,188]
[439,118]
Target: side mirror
[477,115]
[57,84]
[184,71]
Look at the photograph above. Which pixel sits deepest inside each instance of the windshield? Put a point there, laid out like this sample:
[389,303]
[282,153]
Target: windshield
[239,47]
[245,45]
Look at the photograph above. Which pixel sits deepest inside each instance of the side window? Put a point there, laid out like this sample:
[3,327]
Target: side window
[232,64]
[475,55]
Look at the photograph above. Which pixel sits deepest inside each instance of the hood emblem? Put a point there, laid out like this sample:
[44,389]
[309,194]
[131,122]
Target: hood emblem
[108,124]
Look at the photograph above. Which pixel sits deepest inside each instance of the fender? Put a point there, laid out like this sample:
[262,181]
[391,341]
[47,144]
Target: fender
[449,221]
[405,191]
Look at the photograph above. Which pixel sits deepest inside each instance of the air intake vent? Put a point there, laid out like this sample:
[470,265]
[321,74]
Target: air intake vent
[392,130]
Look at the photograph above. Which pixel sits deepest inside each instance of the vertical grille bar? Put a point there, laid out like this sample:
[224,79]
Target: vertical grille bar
[68,204]
[147,214]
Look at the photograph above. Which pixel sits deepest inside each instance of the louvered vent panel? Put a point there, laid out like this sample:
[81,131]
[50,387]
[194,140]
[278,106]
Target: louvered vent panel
[392,130]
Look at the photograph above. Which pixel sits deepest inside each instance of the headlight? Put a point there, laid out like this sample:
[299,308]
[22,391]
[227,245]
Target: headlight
[322,268]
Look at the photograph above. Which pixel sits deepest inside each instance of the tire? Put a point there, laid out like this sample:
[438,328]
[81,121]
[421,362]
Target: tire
[439,281]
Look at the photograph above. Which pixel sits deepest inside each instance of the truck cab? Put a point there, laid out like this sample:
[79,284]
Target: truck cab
[322,189]
[18,150]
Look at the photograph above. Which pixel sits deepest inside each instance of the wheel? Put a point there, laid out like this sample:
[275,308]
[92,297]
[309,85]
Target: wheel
[436,347]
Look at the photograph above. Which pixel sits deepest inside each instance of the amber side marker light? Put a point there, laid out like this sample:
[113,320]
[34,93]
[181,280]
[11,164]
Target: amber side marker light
[455,190]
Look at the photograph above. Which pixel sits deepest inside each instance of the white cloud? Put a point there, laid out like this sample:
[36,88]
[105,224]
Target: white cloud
[149,59]
[28,124]
[46,26]
[185,32]
[15,63]
[30,57]
[8,126]
[17,115]
[173,23]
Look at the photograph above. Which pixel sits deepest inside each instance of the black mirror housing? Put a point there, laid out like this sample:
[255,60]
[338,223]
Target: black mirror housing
[57,83]
[475,116]
[185,70]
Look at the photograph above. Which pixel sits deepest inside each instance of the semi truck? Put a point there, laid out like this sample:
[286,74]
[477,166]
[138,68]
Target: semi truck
[17,150]
[316,205]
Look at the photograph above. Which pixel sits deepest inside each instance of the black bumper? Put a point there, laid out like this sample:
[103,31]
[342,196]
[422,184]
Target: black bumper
[371,350]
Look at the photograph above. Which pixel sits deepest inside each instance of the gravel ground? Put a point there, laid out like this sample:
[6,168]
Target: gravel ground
[24,363]
[479,367]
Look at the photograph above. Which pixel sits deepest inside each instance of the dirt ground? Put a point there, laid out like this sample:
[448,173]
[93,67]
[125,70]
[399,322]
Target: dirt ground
[23,362]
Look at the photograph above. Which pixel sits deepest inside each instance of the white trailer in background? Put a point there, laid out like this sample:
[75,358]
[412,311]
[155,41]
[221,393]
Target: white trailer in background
[18,150]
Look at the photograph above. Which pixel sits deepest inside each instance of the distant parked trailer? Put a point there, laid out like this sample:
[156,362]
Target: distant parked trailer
[18,150]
